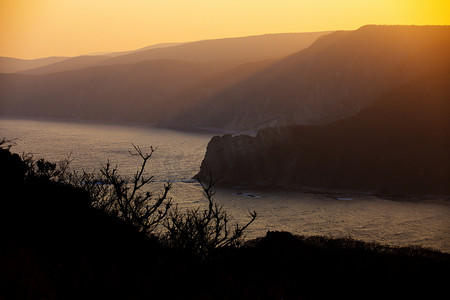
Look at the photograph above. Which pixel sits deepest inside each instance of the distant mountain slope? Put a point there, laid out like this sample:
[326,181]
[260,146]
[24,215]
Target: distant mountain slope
[334,78]
[86,61]
[205,89]
[73,63]
[13,65]
[115,54]
[89,91]
[241,50]
[398,145]
[45,65]
[135,92]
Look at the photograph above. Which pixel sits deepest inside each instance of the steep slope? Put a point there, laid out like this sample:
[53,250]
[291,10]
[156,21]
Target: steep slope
[333,79]
[89,92]
[135,92]
[400,144]
[13,65]
[205,89]
[234,50]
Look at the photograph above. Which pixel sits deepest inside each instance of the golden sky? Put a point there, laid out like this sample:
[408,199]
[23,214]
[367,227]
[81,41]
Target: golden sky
[41,28]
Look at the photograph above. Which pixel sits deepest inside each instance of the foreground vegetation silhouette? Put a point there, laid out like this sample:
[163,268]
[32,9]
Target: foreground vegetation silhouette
[70,236]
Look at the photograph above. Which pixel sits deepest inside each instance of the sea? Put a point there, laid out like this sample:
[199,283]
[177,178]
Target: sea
[178,156]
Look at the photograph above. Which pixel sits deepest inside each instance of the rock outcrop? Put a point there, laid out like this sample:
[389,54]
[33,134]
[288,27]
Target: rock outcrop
[398,145]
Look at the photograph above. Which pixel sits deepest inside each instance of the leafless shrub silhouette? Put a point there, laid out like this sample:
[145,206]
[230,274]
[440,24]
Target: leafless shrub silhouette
[125,198]
[202,231]
[196,231]
[41,168]
[7,143]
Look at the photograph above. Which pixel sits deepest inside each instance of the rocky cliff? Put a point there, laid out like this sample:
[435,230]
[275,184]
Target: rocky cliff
[398,145]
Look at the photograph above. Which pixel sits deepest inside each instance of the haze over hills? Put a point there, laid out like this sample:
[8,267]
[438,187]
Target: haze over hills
[73,63]
[202,91]
[14,65]
[334,78]
[75,93]
[238,50]
[134,92]
[283,165]
[226,87]
[115,54]
[398,145]
[242,48]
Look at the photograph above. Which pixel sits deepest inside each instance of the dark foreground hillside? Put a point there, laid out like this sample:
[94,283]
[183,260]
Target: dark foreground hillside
[56,246]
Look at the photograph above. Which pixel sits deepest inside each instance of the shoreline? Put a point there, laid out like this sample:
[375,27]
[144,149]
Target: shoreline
[330,192]
[212,131]
[337,193]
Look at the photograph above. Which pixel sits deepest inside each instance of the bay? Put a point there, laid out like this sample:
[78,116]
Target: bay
[398,222]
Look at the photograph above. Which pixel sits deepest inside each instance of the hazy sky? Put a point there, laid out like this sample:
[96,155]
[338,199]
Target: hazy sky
[40,28]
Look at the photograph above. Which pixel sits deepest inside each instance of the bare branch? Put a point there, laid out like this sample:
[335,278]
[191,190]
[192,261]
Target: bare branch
[201,232]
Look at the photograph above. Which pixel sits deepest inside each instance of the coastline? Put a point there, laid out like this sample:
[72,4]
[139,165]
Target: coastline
[337,193]
[212,131]
[330,192]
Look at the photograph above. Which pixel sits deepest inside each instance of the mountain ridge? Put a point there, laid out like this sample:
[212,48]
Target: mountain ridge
[334,78]
[15,65]
[239,48]
[98,93]
[399,145]
[325,82]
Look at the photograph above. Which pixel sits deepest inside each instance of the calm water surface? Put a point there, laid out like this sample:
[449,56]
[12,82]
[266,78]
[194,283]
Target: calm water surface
[178,158]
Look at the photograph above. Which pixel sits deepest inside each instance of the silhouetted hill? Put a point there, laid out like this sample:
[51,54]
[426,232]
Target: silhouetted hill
[242,48]
[85,61]
[115,54]
[231,89]
[120,90]
[134,92]
[55,245]
[59,63]
[398,145]
[13,65]
[332,79]
[234,50]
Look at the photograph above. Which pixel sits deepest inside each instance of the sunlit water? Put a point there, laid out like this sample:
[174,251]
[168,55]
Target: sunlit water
[178,158]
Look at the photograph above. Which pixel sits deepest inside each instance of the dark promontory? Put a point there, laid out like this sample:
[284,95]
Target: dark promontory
[398,145]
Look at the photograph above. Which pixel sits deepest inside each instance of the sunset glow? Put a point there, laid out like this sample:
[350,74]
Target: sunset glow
[40,28]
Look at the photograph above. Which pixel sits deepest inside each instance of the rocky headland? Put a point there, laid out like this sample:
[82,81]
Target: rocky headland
[399,145]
